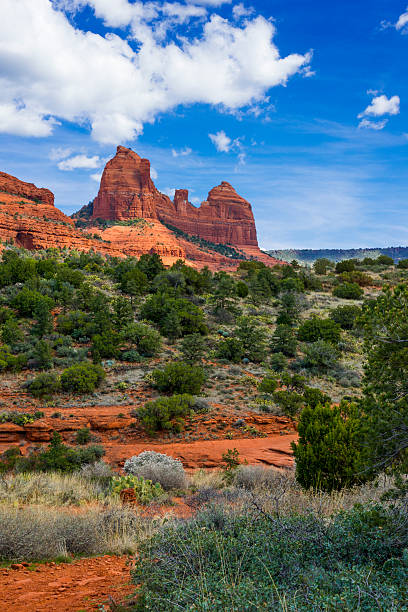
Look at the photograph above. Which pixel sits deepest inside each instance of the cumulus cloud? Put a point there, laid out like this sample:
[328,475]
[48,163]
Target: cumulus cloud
[79,161]
[402,21]
[115,85]
[182,153]
[221,141]
[239,11]
[373,125]
[96,177]
[381,105]
[153,173]
[58,153]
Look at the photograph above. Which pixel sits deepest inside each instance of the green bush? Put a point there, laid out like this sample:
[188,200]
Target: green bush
[284,341]
[345,316]
[44,385]
[28,300]
[82,378]
[348,291]
[327,452]
[105,346]
[252,560]
[147,340]
[320,356]
[230,349]
[403,264]
[8,361]
[313,397]
[166,413]
[278,362]
[268,385]
[179,377]
[289,401]
[315,329]
[193,348]
[20,418]
[83,435]
[252,336]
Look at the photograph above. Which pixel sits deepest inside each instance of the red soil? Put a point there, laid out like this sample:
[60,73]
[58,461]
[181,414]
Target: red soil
[68,587]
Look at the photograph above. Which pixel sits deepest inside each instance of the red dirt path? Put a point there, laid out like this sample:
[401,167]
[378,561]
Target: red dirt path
[67,587]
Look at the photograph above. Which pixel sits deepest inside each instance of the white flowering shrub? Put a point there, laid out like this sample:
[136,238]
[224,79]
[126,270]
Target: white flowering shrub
[157,467]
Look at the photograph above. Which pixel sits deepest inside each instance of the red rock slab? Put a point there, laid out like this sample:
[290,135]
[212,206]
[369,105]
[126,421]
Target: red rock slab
[273,450]
[9,432]
[85,584]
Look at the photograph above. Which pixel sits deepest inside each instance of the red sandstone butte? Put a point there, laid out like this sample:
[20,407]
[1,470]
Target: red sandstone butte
[10,184]
[128,192]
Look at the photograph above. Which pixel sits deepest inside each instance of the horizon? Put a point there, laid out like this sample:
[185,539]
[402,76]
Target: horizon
[301,110]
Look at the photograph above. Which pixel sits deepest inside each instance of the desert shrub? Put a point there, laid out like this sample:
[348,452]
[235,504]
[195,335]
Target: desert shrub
[284,341]
[289,401]
[252,336]
[360,278]
[313,397]
[327,452]
[345,316]
[193,348]
[98,471]
[320,356]
[314,329]
[147,340]
[20,418]
[132,355]
[257,476]
[82,378]
[44,385]
[351,560]
[28,300]
[11,333]
[348,291]
[347,265]
[83,435]
[145,490]
[42,355]
[241,289]
[231,349]
[268,385]
[58,457]
[321,265]
[165,413]
[175,317]
[403,264]
[105,346]
[278,362]
[159,468]
[179,377]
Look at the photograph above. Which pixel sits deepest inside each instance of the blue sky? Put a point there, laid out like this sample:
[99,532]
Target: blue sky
[301,105]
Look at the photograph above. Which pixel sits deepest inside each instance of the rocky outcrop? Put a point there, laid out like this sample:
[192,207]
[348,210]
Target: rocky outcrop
[128,192]
[12,185]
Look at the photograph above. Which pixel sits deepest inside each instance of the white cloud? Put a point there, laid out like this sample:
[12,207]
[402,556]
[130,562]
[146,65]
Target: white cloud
[182,153]
[221,141]
[239,11]
[373,125]
[169,191]
[402,21]
[96,177]
[381,105]
[59,153]
[153,173]
[80,161]
[118,89]
[23,121]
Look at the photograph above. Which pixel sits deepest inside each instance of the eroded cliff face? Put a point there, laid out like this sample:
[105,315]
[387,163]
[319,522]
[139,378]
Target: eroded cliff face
[12,185]
[128,192]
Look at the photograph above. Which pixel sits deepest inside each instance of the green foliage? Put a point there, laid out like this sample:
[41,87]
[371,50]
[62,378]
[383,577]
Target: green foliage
[105,346]
[171,314]
[27,301]
[321,265]
[10,362]
[347,265]
[252,336]
[268,384]
[231,349]
[241,289]
[82,378]
[385,260]
[59,458]
[320,357]
[147,340]
[358,277]
[313,397]
[166,413]
[385,405]
[145,490]
[289,401]
[278,362]
[315,329]
[193,348]
[348,291]
[43,355]
[284,341]
[345,316]
[11,333]
[20,418]
[179,377]
[403,264]
[44,385]
[83,436]
[327,453]
[232,462]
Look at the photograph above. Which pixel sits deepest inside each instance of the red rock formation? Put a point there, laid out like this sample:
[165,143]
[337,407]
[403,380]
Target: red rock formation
[128,192]
[10,184]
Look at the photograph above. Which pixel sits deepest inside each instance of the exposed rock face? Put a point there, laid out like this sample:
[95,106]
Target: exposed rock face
[12,185]
[128,192]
